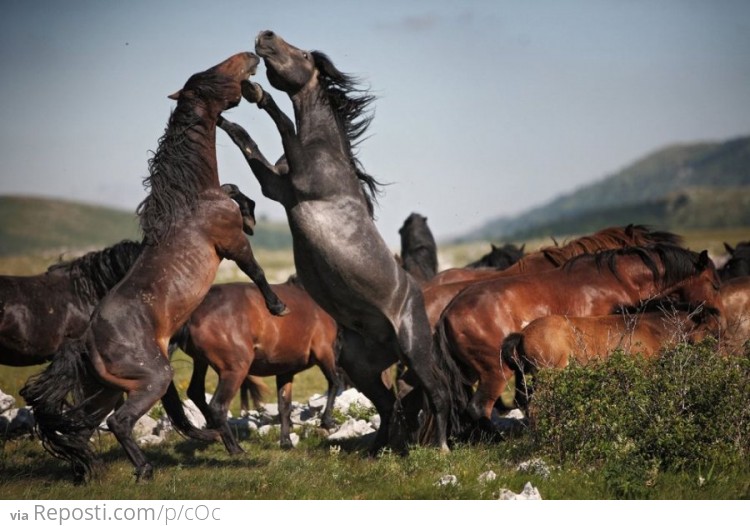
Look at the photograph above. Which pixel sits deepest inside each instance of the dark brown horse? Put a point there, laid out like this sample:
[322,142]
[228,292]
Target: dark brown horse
[738,263]
[233,333]
[476,322]
[38,313]
[189,225]
[340,257]
[553,341]
[499,257]
[418,248]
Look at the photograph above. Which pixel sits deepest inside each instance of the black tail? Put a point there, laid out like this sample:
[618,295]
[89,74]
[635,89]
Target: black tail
[176,413]
[255,388]
[513,355]
[459,388]
[56,397]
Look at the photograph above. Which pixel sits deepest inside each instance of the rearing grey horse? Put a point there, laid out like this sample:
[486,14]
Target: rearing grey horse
[341,258]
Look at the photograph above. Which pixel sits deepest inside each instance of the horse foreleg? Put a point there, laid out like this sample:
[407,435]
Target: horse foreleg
[247,207]
[284,393]
[229,383]
[242,254]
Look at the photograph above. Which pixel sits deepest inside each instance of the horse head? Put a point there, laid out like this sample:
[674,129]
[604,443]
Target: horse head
[219,87]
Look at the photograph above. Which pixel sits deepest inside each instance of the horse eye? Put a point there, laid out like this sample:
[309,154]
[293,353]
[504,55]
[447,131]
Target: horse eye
[304,55]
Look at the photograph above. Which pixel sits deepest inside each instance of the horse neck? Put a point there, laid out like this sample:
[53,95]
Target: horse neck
[315,119]
[201,135]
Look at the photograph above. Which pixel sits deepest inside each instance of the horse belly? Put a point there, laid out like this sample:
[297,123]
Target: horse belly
[343,262]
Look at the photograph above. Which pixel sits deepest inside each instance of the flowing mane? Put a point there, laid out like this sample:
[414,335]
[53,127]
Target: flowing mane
[175,170]
[609,238]
[350,106]
[94,274]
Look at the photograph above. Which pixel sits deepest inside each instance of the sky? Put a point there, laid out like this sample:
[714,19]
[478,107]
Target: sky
[484,108]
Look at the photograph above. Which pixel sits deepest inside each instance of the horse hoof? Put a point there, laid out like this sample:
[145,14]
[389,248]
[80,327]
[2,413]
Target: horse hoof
[143,473]
[286,444]
[279,310]
[252,91]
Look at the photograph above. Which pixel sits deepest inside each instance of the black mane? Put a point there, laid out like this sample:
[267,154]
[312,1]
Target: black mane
[679,263]
[94,274]
[173,169]
[350,105]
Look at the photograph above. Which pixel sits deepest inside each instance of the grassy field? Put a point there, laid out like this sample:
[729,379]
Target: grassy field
[315,470]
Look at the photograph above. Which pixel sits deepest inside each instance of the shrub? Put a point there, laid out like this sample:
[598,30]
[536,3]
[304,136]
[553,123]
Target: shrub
[687,409]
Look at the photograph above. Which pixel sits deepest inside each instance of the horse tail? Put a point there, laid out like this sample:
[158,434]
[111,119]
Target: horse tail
[513,354]
[459,388]
[256,388]
[178,340]
[176,413]
[56,398]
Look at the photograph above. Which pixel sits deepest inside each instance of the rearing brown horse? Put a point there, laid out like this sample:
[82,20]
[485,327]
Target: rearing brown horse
[340,257]
[475,323]
[189,225]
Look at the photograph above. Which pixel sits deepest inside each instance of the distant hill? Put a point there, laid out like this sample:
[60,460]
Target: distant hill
[33,225]
[705,184]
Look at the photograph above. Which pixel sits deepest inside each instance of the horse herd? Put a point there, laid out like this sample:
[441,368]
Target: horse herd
[108,321]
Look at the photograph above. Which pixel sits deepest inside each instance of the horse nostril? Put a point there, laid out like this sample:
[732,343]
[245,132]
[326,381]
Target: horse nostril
[268,34]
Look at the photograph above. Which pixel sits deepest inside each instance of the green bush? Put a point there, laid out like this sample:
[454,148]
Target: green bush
[634,418]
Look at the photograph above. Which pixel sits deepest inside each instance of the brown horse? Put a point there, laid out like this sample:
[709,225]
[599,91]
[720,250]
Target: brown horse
[37,313]
[476,322]
[439,291]
[553,341]
[555,256]
[189,225]
[735,295]
[232,332]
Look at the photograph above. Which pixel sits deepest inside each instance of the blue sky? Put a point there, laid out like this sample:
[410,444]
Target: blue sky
[485,108]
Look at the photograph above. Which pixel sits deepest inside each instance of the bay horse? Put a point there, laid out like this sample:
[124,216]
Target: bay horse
[439,291]
[738,263]
[499,257]
[418,248]
[232,332]
[342,260]
[475,323]
[556,255]
[38,313]
[553,341]
[189,225]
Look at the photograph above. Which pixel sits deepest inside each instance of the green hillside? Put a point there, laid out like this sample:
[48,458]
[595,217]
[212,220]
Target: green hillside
[708,175]
[33,225]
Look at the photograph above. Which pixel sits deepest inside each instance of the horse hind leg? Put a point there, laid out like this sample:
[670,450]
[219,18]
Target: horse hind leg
[364,364]
[284,392]
[330,371]
[216,415]
[151,384]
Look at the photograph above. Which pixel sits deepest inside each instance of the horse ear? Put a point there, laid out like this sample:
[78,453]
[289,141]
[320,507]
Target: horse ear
[523,247]
[703,259]
[493,246]
[175,95]
[729,248]
[629,230]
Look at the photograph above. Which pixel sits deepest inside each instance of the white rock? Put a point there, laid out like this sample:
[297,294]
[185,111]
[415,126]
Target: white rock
[194,414]
[349,397]
[529,493]
[375,421]
[487,476]
[150,440]
[352,429]
[535,466]
[16,421]
[265,429]
[317,401]
[145,426]
[294,437]
[447,480]
[7,402]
